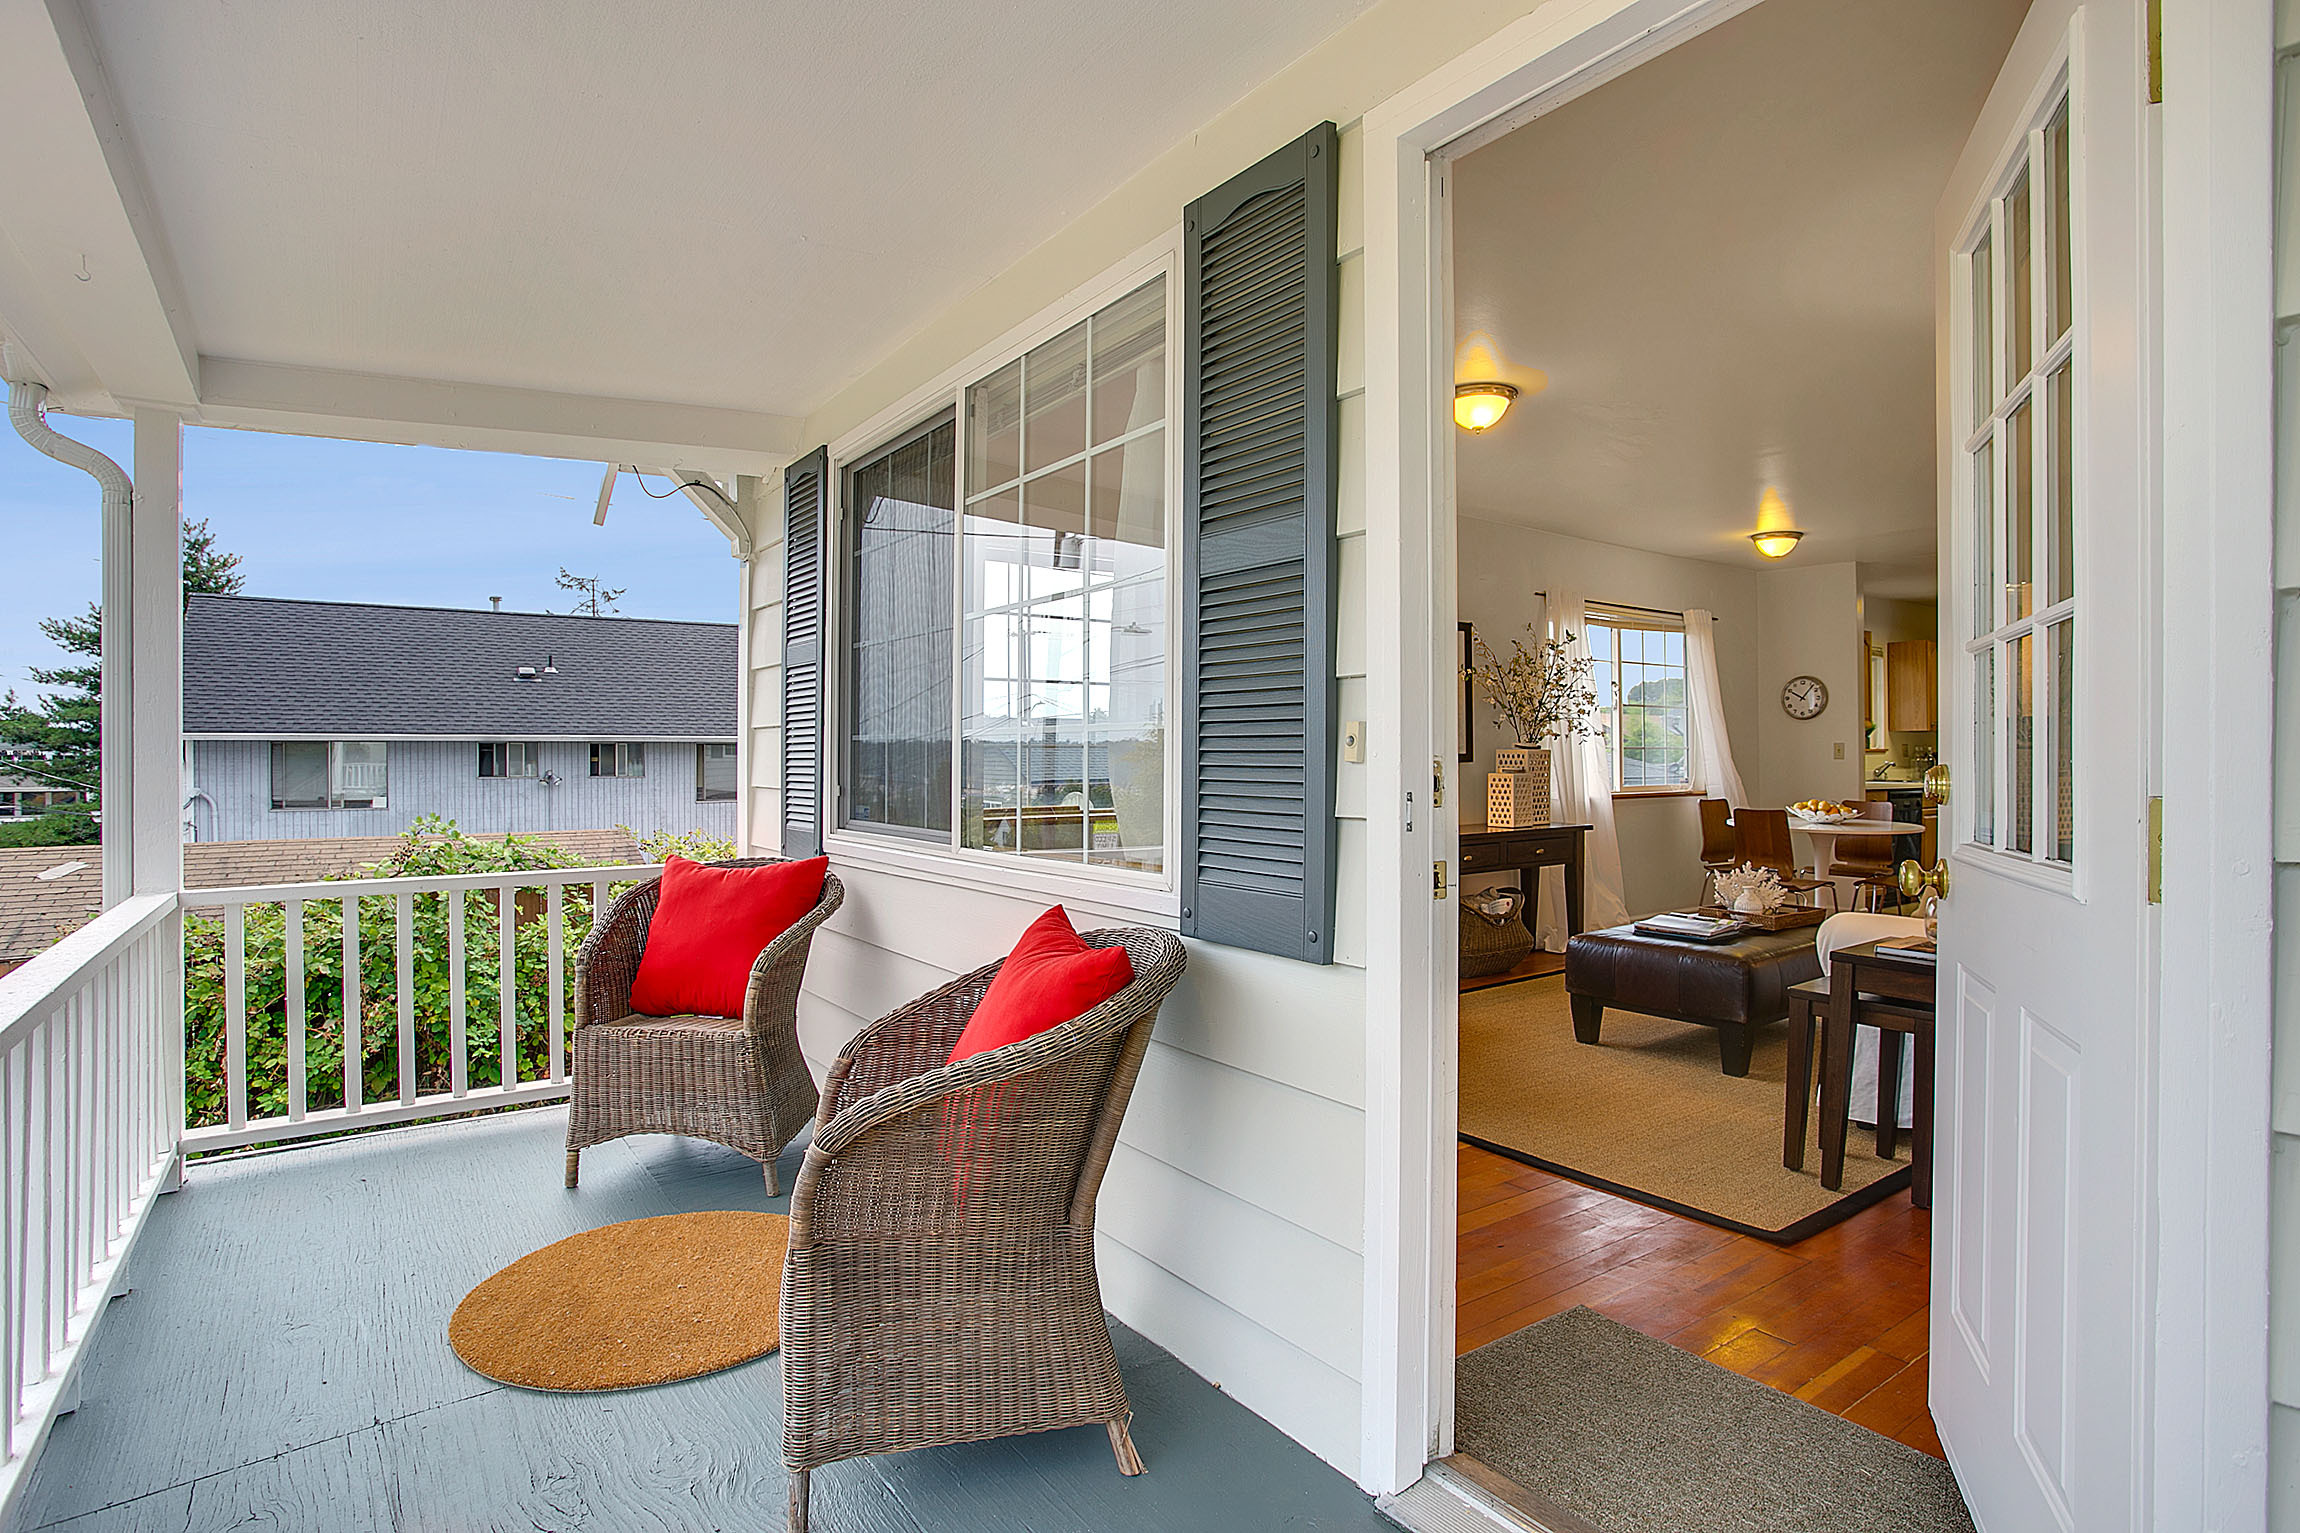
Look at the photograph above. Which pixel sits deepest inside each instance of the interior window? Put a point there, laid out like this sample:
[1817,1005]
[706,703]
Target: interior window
[1642,692]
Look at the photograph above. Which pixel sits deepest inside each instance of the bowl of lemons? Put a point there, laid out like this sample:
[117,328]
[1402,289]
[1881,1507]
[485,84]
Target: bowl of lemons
[1821,811]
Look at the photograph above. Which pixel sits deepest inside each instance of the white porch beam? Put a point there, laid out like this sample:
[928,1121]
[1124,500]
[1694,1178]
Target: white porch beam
[86,284]
[374,407]
[153,824]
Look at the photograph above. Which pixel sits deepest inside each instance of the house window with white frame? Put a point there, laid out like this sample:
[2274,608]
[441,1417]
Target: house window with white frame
[714,773]
[1042,603]
[509,758]
[330,774]
[1643,697]
[623,760]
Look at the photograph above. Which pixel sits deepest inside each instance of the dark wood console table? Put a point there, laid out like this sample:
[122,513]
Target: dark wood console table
[1526,853]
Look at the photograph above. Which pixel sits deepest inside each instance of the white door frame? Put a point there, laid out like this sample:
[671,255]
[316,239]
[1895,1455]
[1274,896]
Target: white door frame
[2207,1386]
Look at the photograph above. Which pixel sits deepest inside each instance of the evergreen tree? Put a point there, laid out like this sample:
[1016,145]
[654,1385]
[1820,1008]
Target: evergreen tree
[59,731]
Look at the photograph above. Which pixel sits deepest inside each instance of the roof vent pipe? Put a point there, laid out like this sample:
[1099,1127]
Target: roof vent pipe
[495,602]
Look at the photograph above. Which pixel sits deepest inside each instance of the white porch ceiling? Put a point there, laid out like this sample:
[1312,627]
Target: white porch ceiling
[680,224]
[1723,261]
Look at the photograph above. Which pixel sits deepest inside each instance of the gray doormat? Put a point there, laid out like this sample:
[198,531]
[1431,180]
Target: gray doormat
[1633,1435]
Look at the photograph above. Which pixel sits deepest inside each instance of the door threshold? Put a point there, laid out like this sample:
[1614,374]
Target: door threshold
[1462,1495]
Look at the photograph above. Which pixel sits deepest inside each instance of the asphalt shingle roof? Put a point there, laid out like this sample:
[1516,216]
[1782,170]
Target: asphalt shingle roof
[257,665]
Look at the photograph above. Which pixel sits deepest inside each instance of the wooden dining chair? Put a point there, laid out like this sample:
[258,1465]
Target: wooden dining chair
[1869,861]
[1720,848]
[1763,835]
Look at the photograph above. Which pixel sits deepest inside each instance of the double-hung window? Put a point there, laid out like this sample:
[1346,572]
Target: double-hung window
[329,774]
[508,758]
[1643,698]
[1004,589]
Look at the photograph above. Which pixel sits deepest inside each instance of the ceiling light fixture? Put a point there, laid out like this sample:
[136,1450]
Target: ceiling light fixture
[1776,543]
[1480,406]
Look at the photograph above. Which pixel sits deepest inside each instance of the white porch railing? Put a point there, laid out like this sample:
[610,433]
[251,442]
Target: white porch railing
[469,981]
[90,1108]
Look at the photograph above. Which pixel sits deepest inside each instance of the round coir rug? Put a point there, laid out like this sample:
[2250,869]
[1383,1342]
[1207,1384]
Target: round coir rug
[632,1304]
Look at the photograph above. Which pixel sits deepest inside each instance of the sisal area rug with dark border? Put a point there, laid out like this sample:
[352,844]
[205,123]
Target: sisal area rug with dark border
[631,1304]
[1623,1433]
[1646,1113]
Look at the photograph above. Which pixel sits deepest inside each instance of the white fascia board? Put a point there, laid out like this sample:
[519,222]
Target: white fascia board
[376,407]
[87,273]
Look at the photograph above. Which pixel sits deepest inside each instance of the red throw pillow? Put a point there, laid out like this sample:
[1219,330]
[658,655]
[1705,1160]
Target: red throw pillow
[710,926]
[1050,978]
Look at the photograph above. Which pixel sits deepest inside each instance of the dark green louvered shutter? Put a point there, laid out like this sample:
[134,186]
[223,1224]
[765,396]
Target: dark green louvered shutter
[806,561]
[1259,315]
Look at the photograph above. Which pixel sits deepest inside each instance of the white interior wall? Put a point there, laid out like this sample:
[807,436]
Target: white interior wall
[1502,564]
[1809,624]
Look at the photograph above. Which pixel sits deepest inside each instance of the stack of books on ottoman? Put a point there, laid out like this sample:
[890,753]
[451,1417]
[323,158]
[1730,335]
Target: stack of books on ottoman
[1692,926]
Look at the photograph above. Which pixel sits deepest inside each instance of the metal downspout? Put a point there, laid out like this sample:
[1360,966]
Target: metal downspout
[27,411]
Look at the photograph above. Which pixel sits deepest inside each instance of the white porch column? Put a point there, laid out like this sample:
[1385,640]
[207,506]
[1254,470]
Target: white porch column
[155,643]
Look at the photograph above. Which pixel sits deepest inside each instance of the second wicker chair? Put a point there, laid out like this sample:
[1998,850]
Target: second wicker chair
[737,1081]
[941,1284]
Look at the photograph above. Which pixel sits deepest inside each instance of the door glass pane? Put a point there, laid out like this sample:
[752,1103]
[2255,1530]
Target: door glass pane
[2017,278]
[898,616]
[1054,400]
[1984,795]
[2022,662]
[994,429]
[2059,292]
[2063,639]
[1984,471]
[2020,495]
[2060,484]
[1983,342]
[1129,346]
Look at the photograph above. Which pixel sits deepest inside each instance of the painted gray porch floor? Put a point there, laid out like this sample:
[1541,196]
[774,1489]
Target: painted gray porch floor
[282,1362]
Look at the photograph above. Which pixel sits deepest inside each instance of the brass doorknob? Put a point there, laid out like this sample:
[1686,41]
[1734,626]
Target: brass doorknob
[1916,879]
[1937,783]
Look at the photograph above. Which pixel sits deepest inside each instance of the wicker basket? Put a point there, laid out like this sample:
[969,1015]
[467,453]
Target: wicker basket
[1494,944]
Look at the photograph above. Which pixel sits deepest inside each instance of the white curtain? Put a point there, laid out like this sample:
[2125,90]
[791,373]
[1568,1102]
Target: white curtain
[1713,768]
[1581,793]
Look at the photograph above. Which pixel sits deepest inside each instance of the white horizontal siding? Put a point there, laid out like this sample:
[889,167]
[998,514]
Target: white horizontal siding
[1233,1212]
[233,781]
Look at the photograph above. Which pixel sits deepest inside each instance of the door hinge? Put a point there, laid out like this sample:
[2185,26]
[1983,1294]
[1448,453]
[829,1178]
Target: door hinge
[1437,783]
[2155,52]
[1437,879]
[2156,851]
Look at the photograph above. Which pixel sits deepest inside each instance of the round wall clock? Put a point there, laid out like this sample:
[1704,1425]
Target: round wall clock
[1804,697]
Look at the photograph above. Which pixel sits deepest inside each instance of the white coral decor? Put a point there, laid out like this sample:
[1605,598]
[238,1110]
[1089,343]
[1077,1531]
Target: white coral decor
[1751,890]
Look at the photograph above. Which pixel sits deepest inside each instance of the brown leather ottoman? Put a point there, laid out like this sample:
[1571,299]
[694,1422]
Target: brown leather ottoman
[1731,986]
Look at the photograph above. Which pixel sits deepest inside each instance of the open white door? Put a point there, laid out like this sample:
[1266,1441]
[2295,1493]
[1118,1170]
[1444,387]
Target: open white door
[2038,1320]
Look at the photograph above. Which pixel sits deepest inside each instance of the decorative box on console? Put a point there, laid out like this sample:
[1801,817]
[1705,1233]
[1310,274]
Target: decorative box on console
[1517,794]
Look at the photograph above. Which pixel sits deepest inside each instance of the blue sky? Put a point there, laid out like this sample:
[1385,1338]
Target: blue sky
[356,521]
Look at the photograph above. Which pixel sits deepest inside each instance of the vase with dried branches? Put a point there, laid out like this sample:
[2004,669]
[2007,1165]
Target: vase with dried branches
[1543,694]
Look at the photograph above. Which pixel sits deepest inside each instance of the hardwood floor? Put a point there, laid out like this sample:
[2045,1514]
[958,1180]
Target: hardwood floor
[1839,1320]
[1533,966]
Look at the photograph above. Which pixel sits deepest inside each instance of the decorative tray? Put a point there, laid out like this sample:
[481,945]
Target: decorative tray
[1788,918]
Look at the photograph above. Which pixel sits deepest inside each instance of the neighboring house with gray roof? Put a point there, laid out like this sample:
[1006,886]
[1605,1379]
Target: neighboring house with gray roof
[323,719]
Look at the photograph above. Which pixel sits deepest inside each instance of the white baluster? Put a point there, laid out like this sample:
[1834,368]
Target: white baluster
[459,1045]
[236,1016]
[291,930]
[406,934]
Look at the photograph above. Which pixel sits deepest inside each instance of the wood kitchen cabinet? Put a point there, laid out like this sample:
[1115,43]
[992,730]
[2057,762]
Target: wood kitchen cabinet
[1911,683]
